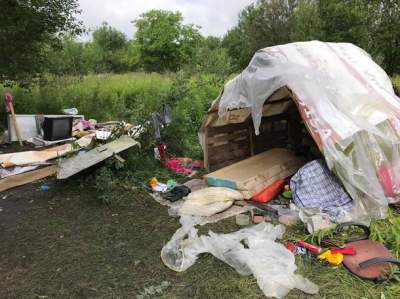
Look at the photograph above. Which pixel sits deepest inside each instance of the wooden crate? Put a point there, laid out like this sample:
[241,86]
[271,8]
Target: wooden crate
[232,143]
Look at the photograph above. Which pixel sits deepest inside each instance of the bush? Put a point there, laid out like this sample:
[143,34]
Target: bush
[191,97]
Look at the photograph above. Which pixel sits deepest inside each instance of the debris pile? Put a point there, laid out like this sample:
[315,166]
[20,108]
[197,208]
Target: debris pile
[63,145]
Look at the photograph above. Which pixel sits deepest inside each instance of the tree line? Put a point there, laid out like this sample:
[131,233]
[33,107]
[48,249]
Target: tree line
[373,25]
[42,36]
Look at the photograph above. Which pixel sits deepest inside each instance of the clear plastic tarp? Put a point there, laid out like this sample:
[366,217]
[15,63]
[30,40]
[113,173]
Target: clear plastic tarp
[348,105]
[250,251]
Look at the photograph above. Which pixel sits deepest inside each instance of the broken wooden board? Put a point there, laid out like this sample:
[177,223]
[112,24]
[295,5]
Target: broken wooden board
[252,175]
[32,157]
[27,177]
[83,161]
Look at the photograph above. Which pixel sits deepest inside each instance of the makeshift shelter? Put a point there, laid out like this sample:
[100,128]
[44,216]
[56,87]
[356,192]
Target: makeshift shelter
[338,93]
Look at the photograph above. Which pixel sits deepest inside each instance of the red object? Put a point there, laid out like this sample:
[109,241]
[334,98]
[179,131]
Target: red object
[8,101]
[269,192]
[175,165]
[386,180]
[345,250]
[291,247]
[162,149]
[309,247]
[366,250]
[196,164]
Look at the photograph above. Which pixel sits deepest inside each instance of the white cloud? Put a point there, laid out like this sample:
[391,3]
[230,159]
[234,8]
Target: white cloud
[215,17]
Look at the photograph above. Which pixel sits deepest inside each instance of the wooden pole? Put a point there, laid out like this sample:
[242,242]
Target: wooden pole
[16,127]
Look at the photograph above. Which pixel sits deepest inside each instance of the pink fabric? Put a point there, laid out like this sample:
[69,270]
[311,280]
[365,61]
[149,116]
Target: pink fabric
[175,166]
[83,125]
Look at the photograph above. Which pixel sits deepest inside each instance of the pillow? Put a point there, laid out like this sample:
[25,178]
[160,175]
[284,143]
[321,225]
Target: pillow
[209,201]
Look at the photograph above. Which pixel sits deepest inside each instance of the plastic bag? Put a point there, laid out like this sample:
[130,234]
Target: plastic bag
[271,263]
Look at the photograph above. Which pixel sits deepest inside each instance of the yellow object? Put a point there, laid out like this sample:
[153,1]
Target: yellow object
[153,182]
[333,258]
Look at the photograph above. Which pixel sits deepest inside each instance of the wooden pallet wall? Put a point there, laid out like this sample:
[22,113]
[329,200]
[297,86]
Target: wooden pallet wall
[273,134]
[235,142]
[227,144]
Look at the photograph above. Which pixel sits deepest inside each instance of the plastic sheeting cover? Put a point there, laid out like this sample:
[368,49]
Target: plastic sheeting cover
[271,263]
[347,103]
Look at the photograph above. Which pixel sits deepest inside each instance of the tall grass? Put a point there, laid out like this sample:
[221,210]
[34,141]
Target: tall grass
[102,97]
[131,97]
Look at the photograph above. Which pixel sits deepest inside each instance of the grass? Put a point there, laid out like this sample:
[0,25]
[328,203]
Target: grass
[103,97]
[69,245]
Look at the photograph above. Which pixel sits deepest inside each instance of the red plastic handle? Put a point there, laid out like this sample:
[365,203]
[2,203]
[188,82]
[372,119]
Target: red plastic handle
[310,247]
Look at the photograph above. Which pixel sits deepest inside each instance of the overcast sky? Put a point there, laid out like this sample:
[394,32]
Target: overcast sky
[214,16]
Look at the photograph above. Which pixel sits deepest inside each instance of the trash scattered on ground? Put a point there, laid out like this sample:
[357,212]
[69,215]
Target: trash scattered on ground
[270,262]
[44,187]
[243,219]
[69,141]
[176,193]
[70,111]
[334,259]
[156,186]
[264,163]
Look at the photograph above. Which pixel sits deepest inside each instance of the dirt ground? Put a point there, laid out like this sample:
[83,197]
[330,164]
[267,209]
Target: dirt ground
[64,243]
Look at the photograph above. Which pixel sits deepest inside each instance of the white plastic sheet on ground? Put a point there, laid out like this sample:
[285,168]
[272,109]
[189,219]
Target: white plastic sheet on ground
[349,106]
[271,263]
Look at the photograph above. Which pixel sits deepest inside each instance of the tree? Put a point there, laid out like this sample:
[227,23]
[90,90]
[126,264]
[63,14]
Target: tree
[25,27]
[346,21]
[263,24]
[106,52]
[164,43]
[68,60]
[307,22]
[386,34]
[210,58]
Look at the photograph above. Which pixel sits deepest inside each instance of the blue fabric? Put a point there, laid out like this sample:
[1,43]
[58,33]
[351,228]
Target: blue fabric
[314,186]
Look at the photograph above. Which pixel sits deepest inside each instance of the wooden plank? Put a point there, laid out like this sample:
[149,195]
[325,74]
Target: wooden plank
[83,161]
[25,178]
[236,154]
[251,140]
[253,174]
[228,128]
[212,150]
[206,149]
[33,157]
[228,137]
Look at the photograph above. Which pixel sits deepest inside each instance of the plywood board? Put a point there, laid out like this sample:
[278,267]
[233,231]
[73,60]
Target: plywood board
[33,157]
[25,178]
[255,173]
[83,161]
